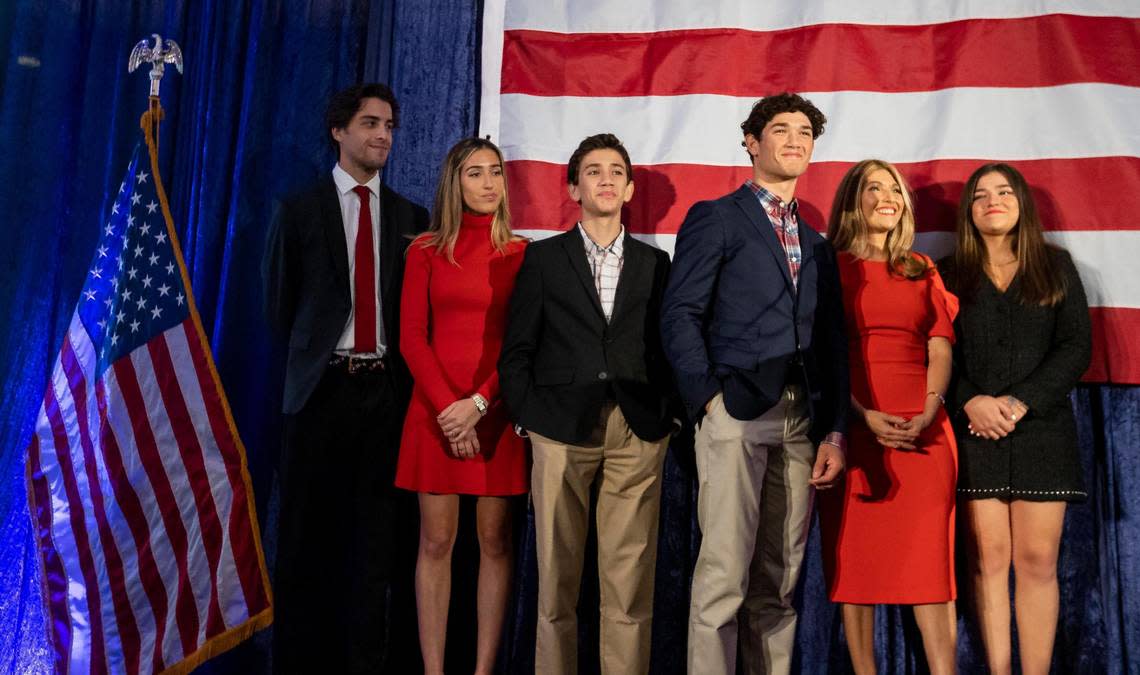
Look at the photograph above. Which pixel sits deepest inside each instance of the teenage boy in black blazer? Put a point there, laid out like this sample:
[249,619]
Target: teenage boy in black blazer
[583,372]
[332,274]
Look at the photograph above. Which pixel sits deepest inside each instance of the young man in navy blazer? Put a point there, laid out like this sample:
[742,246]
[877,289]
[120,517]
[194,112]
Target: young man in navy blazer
[752,324]
[582,371]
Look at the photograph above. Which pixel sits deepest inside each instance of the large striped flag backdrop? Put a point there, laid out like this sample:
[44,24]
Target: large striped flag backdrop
[1051,86]
[137,483]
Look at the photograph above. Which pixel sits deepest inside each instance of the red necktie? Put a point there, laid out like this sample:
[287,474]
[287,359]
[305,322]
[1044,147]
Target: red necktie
[364,278]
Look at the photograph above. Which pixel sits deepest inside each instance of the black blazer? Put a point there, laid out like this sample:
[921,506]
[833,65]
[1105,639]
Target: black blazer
[734,322]
[305,274]
[1036,354]
[561,360]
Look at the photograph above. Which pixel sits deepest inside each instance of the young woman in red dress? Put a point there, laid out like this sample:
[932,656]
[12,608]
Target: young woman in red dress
[457,439]
[888,534]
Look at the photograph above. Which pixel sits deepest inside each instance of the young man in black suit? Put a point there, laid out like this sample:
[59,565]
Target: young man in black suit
[583,372]
[332,273]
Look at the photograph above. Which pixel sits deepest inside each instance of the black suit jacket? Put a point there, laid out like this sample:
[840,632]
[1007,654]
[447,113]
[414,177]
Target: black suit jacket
[733,321]
[561,360]
[307,295]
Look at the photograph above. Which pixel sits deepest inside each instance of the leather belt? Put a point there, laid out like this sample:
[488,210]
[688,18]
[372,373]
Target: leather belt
[353,364]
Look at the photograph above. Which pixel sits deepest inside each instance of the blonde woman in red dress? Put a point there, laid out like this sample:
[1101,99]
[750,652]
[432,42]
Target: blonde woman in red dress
[888,534]
[456,439]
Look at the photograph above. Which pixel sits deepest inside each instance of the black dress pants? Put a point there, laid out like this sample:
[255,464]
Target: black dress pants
[340,570]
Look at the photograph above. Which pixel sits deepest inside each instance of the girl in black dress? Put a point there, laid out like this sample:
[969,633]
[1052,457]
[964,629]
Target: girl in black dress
[1023,343]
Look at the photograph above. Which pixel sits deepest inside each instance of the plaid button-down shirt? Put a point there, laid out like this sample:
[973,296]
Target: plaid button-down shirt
[605,265]
[785,219]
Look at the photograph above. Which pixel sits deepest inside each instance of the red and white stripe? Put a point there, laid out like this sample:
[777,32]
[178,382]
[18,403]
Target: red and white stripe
[141,507]
[1046,85]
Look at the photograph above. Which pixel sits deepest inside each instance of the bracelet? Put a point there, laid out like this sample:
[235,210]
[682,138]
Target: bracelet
[480,403]
[941,399]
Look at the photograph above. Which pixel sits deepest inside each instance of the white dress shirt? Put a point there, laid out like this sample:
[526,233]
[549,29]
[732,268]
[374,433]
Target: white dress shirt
[350,217]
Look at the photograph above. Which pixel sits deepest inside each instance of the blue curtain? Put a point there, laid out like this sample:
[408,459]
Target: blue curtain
[243,126]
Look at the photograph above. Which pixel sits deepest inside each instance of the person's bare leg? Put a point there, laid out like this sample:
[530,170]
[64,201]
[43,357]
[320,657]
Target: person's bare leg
[939,627]
[493,525]
[859,629]
[439,518]
[1036,538]
[988,522]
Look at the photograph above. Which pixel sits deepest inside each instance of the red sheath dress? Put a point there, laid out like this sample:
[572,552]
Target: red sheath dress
[888,531]
[451,330]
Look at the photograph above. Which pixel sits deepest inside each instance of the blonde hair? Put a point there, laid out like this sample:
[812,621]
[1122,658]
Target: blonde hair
[847,228]
[447,214]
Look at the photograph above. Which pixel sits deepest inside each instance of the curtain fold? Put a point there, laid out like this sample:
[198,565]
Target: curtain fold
[243,126]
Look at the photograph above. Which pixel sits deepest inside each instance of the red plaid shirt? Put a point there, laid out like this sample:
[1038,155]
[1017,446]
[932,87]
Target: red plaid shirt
[785,219]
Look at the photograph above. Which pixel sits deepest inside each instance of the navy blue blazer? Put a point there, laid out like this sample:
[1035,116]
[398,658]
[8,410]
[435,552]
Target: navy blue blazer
[733,321]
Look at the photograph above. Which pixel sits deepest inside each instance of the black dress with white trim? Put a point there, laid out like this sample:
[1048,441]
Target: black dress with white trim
[1036,354]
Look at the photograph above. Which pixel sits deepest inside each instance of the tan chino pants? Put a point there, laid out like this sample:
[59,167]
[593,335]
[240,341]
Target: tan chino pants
[754,508]
[629,500]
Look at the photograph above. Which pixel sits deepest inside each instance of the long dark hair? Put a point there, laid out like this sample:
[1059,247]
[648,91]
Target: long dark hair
[1041,282]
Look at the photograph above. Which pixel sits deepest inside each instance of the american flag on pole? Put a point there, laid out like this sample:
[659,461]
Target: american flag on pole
[150,554]
[1051,86]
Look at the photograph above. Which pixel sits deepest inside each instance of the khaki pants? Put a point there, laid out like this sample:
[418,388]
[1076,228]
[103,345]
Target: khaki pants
[754,508]
[629,500]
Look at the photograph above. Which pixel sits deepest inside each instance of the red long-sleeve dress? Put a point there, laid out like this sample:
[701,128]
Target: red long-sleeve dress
[451,330]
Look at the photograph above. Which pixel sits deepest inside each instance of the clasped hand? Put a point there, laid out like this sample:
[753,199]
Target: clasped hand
[893,431]
[992,417]
[457,421]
